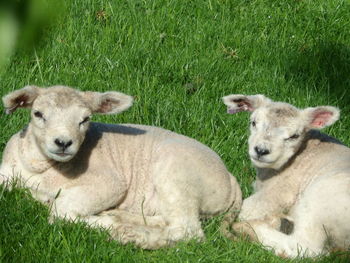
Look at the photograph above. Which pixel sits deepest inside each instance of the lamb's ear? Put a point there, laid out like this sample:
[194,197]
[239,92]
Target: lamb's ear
[320,117]
[108,102]
[237,102]
[22,98]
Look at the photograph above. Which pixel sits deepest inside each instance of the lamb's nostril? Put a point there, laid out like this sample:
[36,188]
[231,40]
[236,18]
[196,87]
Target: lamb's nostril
[69,143]
[261,151]
[63,144]
[59,143]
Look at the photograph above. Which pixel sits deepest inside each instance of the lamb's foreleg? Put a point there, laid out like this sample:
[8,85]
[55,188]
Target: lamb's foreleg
[266,202]
[300,243]
[278,222]
[148,232]
[82,201]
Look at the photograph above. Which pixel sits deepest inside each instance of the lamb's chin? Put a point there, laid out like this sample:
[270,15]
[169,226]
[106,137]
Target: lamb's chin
[265,164]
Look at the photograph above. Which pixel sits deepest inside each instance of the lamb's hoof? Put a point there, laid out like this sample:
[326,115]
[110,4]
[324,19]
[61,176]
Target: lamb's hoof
[245,230]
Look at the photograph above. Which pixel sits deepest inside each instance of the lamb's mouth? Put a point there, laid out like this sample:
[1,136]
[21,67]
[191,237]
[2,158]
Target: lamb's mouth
[62,154]
[260,160]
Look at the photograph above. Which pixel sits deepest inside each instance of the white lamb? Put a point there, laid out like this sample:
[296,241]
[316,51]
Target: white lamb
[151,185]
[301,204]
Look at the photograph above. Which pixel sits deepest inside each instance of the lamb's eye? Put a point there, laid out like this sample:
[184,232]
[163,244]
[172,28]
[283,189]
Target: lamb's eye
[38,114]
[294,136]
[253,123]
[86,119]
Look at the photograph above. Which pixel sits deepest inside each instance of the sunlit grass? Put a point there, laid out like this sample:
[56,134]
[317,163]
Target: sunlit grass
[178,58]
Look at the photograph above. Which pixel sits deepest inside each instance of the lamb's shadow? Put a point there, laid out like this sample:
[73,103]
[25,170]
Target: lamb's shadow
[325,63]
[80,163]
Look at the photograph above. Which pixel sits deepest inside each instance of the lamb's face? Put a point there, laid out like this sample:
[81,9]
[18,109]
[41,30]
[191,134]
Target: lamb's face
[276,133]
[60,115]
[59,122]
[277,130]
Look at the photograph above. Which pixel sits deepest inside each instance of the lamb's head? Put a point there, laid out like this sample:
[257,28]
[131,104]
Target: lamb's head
[278,129]
[60,115]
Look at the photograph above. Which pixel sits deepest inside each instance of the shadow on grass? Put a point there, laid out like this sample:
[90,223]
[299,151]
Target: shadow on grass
[325,66]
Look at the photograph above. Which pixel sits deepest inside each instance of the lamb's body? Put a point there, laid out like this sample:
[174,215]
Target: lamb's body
[313,192]
[301,203]
[147,185]
[124,159]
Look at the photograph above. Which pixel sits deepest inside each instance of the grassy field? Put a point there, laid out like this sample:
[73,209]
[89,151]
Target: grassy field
[178,58]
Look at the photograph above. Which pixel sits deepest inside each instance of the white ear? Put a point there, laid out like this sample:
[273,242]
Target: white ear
[22,98]
[320,117]
[108,102]
[237,102]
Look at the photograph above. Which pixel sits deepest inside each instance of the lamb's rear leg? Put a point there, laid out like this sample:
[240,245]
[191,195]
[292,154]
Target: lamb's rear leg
[300,243]
[155,235]
[183,228]
[107,219]
[149,232]
[304,240]
[180,211]
[126,227]
[75,204]
[153,232]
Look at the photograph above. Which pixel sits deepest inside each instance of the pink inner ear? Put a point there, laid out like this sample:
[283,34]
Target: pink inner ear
[321,118]
[108,105]
[20,101]
[105,106]
[241,105]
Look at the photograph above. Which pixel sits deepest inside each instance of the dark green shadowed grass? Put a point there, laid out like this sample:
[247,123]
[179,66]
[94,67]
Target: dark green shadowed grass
[178,58]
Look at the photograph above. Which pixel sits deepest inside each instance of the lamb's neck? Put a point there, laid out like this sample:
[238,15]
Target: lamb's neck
[264,174]
[31,156]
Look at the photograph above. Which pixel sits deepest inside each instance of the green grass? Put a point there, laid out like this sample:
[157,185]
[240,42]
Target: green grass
[178,58]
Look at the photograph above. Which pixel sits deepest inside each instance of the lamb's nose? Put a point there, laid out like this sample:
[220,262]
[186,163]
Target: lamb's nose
[261,151]
[62,143]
